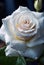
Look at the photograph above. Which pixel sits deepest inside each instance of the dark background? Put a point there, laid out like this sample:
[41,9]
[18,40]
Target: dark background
[8,6]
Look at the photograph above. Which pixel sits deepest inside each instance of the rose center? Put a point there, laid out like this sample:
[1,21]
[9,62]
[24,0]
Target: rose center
[25,25]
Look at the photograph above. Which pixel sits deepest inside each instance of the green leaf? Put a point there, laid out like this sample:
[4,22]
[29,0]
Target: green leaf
[7,60]
[20,61]
[2,51]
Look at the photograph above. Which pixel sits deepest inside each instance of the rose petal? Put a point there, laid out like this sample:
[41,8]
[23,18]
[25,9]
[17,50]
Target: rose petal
[34,52]
[11,52]
[9,28]
[19,10]
[36,41]
[15,48]
[39,39]
[2,33]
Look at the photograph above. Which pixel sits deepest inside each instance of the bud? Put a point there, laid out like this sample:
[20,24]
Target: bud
[38,5]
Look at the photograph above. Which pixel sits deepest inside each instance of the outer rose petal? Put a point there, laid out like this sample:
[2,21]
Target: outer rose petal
[39,38]
[18,48]
[19,10]
[11,52]
[9,28]
[34,52]
[15,48]
[2,33]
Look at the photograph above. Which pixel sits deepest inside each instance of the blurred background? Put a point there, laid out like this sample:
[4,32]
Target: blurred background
[8,6]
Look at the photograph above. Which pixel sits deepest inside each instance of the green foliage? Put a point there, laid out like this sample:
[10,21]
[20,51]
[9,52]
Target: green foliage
[20,61]
[17,60]
[11,60]
[2,53]
[7,60]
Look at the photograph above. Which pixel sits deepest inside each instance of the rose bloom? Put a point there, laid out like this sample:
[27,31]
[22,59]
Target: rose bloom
[23,32]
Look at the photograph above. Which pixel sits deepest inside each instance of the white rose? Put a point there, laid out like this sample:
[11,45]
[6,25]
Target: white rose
[23,33]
